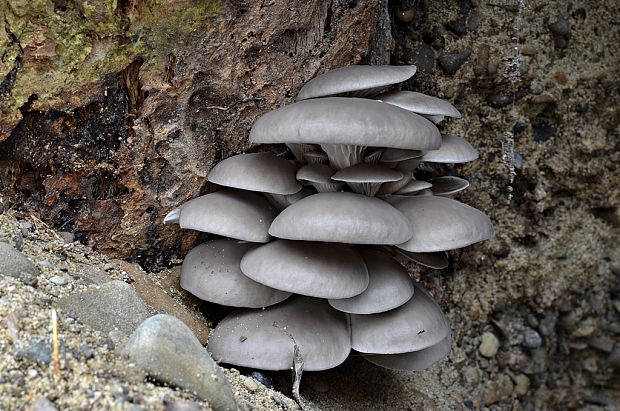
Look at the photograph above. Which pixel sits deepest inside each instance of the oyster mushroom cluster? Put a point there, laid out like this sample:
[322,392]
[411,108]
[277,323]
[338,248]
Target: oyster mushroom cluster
[309,258]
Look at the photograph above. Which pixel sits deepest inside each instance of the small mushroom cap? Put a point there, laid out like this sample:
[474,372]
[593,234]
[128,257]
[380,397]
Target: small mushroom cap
[390,286]
[437,260]
[414,186]
[315,173]
[262,172]
[361,81]
[420,103]
[324,270]
[392,155]
[448,185]
[265,339]
[416,325]
[342,218]
[340,120]
[441,224]
[367,173]
[211,272]
[413,361]
[453,150]
[242,215]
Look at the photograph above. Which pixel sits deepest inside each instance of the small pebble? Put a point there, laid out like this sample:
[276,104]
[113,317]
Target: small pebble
[58,280]
[250,384]
[531,338]
[47,264]
[32,373]
[489,345]
[18,242]
[456,27]
[43,404]
[86,351]
[528,50]
[452,62]
[561,33]
[522,384]
[542,131]
[585,328]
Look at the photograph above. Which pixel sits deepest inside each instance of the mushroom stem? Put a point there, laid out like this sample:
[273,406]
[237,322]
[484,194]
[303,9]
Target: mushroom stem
[368,189]
[343,155]
[299,149]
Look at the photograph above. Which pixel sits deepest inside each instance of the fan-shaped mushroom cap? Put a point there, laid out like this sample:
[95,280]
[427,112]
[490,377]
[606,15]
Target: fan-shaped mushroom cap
[211,272]
[324,270]
[416,325]
[390,286]
[243,215]
[453,150]
[409,165]
[340,120]
[392,187]
[263,172]
[420,103]
[448,185]
[441,224]
[366,178]
[394,155]
[281,201]
[319,176]
[359,81]
[414,186]
[413,361]
[342,218]
[265,339]
[437,260]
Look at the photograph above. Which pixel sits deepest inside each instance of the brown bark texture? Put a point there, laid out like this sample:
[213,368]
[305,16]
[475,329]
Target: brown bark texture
[108,159]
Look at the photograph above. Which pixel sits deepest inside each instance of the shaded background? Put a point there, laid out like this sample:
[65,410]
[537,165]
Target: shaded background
[113,112]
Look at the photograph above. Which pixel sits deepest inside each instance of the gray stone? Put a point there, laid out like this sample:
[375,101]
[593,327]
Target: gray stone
[531,338]
[18,241]
[90,274]
[58,280]
[168,351]
[38,351]
[86,351]
[489,345]
[452,62]
[43,404]
[537,363]
[15,264]
[109,307]
[547,324]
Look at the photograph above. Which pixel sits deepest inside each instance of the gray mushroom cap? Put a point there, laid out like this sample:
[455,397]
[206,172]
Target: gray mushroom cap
[342,218]
[359,81]
[262,172]
[448,185]
[211,272]
[420,103]
[453,150]
[390,286]
[413,361]
[352,121]
[416,325]
[242,215]
[324,270]
[414,186]
[437,260]
[319,176]
[265,339]
[392,155]
[441,224]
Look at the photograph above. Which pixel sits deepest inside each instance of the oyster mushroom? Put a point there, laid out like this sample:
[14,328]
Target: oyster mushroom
[453,150]
[266,339]
[431,106]
[415,325]
[355,81]
[242,215]
[367,178]
[324,270]
[344,126]
[413,187]
[448,185]
[319,176]
[342,218]
[413,361]
[441,224]
[211,272]
[437,260]
[390,286]
[262,172]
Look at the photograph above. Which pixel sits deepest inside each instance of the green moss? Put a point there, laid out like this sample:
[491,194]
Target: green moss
[93,39]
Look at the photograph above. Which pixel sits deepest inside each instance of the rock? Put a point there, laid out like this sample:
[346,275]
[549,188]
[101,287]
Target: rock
[66,236]
[489,345]
[561,32]
[90,274]
[47,264]
[43,404]
[158,300]
[168,351]
[522,384]
[585,328]
[603,343]
[456,27]
[18,241]
[14,264]
[262,378]
[424,58]
[537,363]
[58,280]
[111,306]
[452,62]
[86,351]
[529,50]
[181,405]
[250,384]
[547,324]
[498,390]
[38,351]
[542,131]
[531,338]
